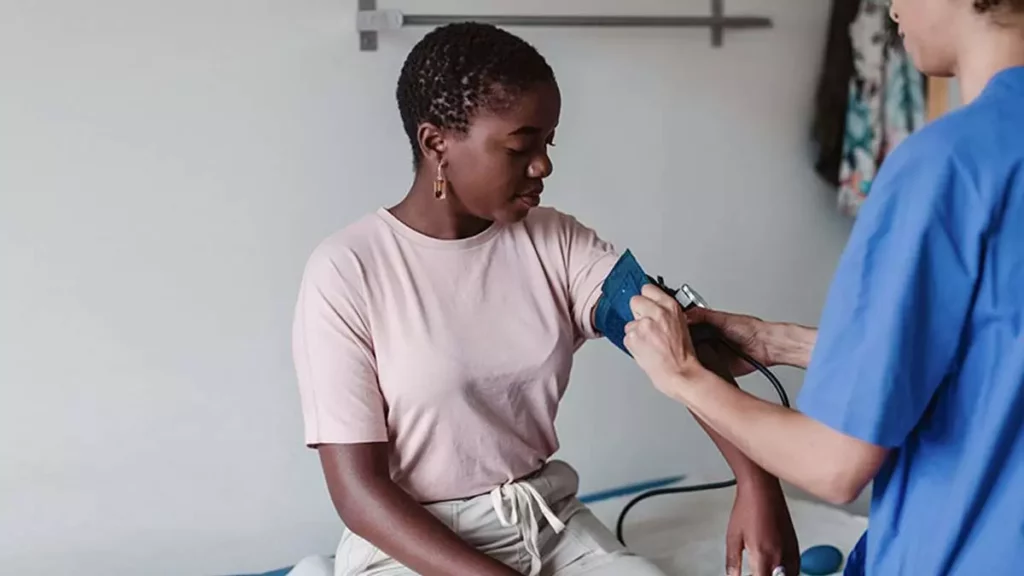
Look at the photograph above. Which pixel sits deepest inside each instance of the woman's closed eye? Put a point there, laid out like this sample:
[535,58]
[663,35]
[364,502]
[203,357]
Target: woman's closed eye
[521,151]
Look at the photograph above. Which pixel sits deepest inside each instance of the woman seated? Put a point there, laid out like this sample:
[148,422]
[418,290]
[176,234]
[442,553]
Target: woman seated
[434,339]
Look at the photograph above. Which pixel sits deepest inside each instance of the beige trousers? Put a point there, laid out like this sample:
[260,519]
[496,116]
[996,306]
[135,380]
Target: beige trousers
[536,526]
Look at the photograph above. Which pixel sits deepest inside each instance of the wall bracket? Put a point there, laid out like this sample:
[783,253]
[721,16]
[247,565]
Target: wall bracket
[370,22]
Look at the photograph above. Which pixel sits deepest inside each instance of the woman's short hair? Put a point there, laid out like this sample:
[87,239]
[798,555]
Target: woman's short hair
[457,70]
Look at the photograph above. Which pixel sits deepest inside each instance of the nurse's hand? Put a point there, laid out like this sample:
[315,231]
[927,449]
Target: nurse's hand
[770,343]
[659,338]
[749,334]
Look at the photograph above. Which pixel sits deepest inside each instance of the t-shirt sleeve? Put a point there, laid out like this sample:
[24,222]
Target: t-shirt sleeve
[334,357]
[892,322]
[590,259]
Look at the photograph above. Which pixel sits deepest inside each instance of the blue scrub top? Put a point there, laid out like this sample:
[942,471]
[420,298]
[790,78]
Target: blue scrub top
[921,343]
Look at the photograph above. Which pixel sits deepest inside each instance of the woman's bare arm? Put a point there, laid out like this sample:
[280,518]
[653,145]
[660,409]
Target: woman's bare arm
[375,508]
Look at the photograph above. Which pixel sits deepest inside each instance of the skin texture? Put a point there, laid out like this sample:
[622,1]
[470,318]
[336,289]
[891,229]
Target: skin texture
[948,38]
[771,344]
[924,25]
[494,173]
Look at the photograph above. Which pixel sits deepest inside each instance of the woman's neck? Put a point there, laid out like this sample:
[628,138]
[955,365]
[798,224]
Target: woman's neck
[442,219]
[985,53]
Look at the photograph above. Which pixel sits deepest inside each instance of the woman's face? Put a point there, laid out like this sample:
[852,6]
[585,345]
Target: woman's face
[929,30]
[496,170]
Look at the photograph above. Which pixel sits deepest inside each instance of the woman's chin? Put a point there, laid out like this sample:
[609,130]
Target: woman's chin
[514,213]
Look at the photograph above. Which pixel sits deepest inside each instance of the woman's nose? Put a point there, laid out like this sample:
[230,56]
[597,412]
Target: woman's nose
[541,167]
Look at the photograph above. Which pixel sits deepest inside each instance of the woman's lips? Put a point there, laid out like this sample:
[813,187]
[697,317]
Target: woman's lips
[531,200]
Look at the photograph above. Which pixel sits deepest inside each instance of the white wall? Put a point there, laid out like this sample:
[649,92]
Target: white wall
[166,167]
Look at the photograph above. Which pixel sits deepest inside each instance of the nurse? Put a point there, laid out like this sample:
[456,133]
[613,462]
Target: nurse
[915,378]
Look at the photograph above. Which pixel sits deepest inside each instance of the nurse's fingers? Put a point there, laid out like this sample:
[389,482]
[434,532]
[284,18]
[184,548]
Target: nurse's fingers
[644,307]
[659,296]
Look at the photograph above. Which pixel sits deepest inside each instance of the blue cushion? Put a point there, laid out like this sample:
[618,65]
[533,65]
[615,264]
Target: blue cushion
[821,560]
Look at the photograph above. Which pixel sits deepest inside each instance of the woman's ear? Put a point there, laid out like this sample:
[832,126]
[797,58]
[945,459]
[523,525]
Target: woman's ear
[431,141]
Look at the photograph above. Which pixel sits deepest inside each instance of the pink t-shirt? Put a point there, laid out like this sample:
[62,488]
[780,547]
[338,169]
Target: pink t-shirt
[457,352]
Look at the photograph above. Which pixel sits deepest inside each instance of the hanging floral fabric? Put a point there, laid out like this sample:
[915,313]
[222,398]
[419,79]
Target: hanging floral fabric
[886,102]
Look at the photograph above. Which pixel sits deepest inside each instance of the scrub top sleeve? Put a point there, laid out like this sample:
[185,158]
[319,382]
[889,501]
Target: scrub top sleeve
[892,323]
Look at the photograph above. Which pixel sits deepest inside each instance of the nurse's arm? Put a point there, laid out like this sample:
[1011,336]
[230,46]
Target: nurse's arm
[743,468]
[789,344]
[789,445]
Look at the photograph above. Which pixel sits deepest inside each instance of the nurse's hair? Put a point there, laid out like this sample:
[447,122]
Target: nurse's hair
[461,69]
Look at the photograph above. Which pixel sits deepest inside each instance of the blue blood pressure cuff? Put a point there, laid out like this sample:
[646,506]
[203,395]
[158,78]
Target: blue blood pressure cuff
[624,282]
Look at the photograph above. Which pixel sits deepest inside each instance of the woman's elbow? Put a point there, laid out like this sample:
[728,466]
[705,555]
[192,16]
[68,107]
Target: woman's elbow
[359,510]
[347,507]
[354,484]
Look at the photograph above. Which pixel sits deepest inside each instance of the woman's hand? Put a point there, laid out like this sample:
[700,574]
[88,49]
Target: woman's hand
[749,334]
[760,524]
[659,337]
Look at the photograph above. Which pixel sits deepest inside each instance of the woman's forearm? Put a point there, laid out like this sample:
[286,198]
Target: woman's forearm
[744,469]
[790,344]
[379,511]
[387,517]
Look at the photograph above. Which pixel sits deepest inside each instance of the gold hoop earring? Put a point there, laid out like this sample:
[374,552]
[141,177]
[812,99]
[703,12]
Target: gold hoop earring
[440,184]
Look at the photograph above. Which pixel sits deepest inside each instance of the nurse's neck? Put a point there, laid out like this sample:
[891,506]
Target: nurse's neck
[988,47]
